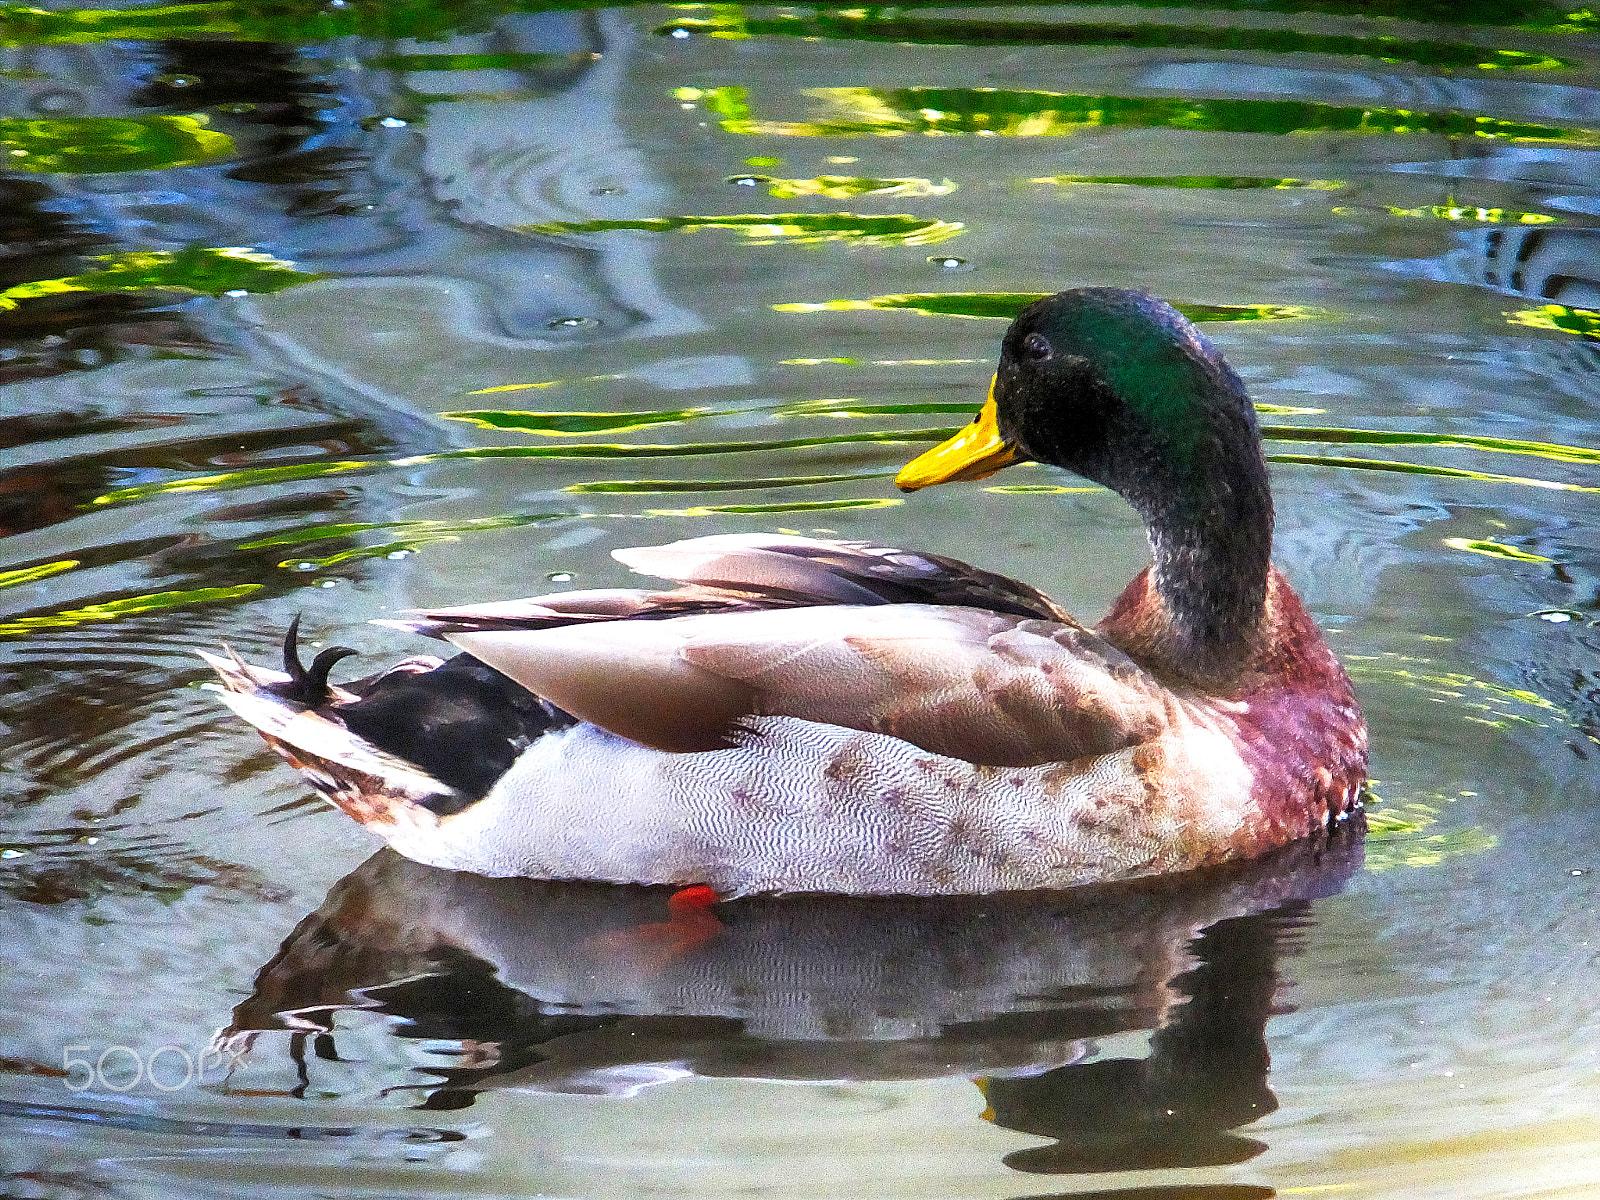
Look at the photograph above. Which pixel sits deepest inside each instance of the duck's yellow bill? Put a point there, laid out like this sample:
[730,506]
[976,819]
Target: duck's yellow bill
[977,452]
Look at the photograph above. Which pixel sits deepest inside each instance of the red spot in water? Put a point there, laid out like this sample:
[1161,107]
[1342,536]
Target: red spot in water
[697,897]
[656,944]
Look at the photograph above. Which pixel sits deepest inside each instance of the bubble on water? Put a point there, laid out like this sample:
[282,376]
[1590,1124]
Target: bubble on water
[680,33]
[178,81]
[560,577]
[573,323]
[1557,616]
[305,566]
[946,263]
[748,180]
[372,123]
[57,101]
[327,583]
[397,555]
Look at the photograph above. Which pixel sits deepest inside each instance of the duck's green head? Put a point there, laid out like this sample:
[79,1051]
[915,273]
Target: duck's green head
[1116,386]
[1120,388]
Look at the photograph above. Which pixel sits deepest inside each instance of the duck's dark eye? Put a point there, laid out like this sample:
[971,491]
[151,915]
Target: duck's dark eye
[1036,347]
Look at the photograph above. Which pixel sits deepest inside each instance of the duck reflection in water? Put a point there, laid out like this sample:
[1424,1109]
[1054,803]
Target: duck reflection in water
[598,989]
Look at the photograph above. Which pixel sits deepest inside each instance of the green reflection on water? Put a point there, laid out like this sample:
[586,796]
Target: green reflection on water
[42,571]
[1489,703]
[1406,468]
[1038,489]
[1493,549]
[409,546]
[1558,317]
[576,424]
[471,62]
[1216,182]
[706,510]
[1396,837]
[1456,212]
[299,21]
[718,485]
[128,606]
[1461,441]
[553,423]
[897,112]
[22,25]
[855,25]
[284,21]
[94,145]
[414,536]
[854,408]
[843,187]
[202,270]
[411,529]
[1008,304]
[572,423]
[766,229]
[265,476]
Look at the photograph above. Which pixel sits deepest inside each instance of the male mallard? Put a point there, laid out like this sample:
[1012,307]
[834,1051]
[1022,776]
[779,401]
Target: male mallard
[834,716]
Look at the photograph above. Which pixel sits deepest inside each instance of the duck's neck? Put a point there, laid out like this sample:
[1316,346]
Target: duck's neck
[1201,611]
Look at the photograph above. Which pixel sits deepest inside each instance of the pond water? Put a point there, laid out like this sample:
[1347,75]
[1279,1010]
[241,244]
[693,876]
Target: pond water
[342,308]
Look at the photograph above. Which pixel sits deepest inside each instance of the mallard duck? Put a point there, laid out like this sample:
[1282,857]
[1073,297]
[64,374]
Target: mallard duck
[803,715]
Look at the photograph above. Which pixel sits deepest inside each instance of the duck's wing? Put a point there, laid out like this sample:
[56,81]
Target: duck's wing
[748,573]
[956,660]
[820,572]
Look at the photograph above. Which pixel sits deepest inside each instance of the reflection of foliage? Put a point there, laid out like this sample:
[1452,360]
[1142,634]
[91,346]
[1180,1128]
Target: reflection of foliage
[575,424]
[1212,182]
[202,270]
[1461,212]
[1476,700]
[127,606]
[412,536]
[852,25]
[1410,468]
[766,229]
[42,571]
[520,61]
[706,510]
[1554,451]
[303,21]
[89,145]
[1008,304]
[1397,837]
[1558,317]
[843,187]
[636,486]
[1493,549]
[293,22]
[897,112]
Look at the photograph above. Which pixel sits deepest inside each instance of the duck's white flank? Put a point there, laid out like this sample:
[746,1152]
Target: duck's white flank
[802,806]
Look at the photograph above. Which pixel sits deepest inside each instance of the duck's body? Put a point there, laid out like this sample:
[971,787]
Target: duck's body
[820,716]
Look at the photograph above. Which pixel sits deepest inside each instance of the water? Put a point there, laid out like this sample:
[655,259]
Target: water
[259,264]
